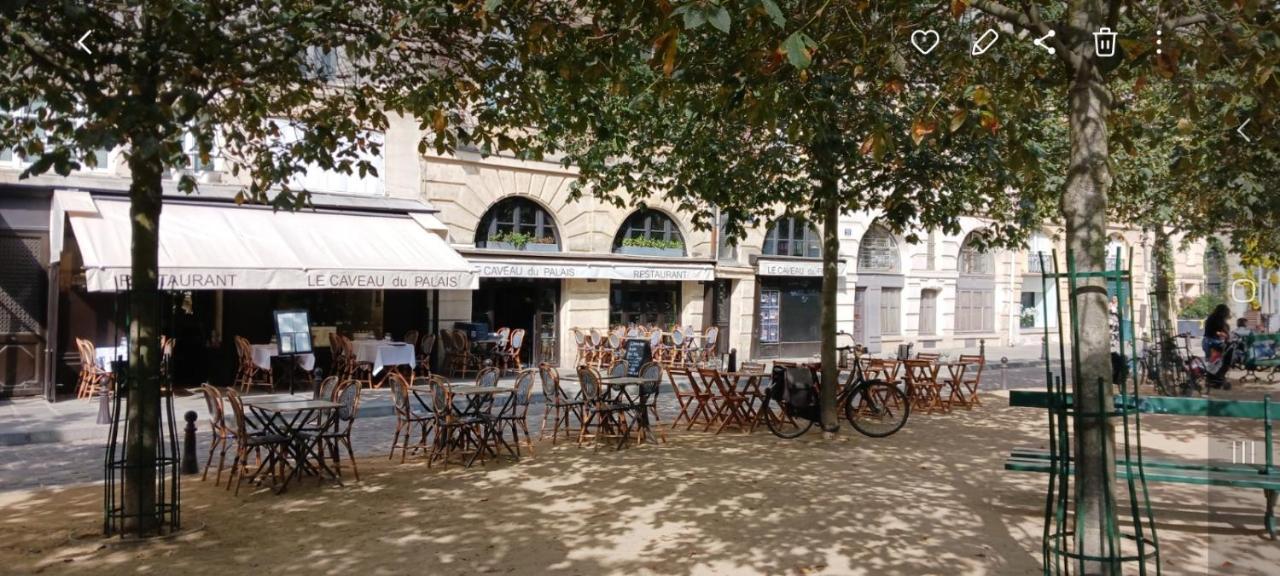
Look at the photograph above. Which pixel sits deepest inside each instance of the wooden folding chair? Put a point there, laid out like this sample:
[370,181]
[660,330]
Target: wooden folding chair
[688,396]
[923,386]
[972,379]
[729,403]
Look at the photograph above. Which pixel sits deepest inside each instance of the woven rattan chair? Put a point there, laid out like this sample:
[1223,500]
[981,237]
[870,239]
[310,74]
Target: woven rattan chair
[555,400]
[457,432]
[606,414]
[585,352]
[348,395]
[223,435]
[619,369]
[407,419]
[652,373]
[426,350]
[510,355]
[252,444]
[464,357]
[93,379]
[514,415]
[250,374]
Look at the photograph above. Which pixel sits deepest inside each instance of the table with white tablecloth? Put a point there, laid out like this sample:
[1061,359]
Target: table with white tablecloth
[263,353]
[105,355]
[383,353]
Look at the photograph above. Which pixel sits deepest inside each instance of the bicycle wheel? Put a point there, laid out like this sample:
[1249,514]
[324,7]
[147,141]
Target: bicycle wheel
[781,424]
[877,409]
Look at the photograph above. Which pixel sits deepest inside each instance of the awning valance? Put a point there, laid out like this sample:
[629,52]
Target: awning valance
[793,267]
[504,267]
[226,247]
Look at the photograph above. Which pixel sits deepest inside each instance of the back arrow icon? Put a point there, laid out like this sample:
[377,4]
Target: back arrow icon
[80,42]
[1240,130]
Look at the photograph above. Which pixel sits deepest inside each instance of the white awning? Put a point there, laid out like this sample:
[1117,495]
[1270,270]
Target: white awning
[224,247]
[506,267]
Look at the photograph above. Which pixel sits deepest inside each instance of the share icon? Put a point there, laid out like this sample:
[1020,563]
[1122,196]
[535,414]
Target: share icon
[1040,42]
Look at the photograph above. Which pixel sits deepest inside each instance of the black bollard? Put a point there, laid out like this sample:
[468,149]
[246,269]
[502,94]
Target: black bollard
[733,360]
[104,405]
[189,463]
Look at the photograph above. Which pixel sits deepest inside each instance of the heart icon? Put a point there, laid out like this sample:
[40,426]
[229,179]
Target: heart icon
[924,40]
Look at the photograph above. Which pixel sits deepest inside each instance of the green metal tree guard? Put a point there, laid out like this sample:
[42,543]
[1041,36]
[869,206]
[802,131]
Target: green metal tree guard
[1063,545]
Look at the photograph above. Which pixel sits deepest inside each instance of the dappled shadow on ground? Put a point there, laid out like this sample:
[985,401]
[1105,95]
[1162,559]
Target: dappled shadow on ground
[932,499]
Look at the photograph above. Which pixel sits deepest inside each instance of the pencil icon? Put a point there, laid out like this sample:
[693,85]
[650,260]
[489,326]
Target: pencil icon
[984,42]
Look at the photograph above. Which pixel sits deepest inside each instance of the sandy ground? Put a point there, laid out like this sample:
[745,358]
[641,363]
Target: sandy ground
[932,499]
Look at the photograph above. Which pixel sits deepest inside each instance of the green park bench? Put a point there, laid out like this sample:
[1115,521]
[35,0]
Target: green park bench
[1264,476]
[1255,362]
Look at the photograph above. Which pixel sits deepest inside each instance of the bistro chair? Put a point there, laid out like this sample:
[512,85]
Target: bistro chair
[657,348]
[426,350]
[455,430]
[972,379]
[250,374]
[929,356]
[601,355]
[464,357]
[347,395]
[504,336]
[687,396]
[508,352]
[337,357]
[616,344]
[678,346]
[585,352]
[605,413]
[652,373]
[411,338]
[407,419]
[730,403]
[514,414]
[556,400]
[922,385]
[251,444]
[166,356]
[223,436]
[93,378]
[619,369]
[709,349]
[326,389]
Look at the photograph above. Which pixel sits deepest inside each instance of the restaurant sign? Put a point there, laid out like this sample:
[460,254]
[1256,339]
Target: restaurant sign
[765,267]
[119,279]
[594,269]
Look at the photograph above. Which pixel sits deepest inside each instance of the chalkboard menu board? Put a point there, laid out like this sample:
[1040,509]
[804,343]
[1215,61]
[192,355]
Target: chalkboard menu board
[637,354]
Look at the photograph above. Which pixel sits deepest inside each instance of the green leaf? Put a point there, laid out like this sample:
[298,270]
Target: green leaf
[491,5]
[720,19]
[775,13]
[694,19]
[797,53]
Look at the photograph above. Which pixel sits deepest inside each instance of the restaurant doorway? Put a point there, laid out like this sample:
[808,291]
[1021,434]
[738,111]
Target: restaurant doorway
[644,303]
[528,303]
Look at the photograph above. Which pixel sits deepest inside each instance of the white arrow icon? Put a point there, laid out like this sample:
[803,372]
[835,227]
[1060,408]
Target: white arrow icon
[80,42]
[1240,130]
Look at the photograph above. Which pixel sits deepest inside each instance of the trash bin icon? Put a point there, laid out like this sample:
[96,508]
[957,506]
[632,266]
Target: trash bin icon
[1104,43]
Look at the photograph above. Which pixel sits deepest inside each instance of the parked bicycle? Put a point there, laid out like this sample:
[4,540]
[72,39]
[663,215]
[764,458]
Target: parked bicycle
[1179,373]
[873,407]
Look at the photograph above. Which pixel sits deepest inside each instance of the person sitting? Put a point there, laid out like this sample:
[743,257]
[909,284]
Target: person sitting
[1214,345]
[1242,330]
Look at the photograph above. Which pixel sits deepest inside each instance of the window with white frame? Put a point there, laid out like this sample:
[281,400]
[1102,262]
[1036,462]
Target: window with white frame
[317,179]
[792,236]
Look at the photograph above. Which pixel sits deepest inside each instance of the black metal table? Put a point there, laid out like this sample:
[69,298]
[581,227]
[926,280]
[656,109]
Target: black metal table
[302,422]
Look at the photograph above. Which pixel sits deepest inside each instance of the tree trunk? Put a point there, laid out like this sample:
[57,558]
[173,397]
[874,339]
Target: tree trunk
[828,190]
[1166,312]
[1084,209]
[143,436]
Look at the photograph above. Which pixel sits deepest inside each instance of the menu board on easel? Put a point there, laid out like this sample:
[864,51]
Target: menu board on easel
[293,332]
[637,353]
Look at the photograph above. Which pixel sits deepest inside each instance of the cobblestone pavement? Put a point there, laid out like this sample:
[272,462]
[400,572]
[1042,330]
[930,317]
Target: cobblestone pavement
[55,464]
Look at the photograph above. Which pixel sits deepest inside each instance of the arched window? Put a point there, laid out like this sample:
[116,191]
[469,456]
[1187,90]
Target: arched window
[974,262]
[792,236]
[649,232]
[878,251]
[517,224]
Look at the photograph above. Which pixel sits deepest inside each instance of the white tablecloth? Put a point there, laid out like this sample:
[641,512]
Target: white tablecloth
[383,353]
[262,354]
[107,354]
